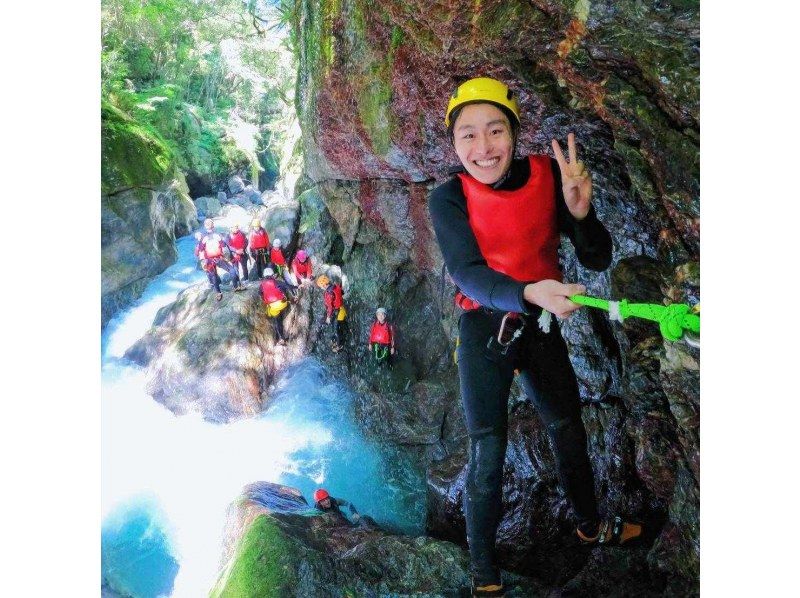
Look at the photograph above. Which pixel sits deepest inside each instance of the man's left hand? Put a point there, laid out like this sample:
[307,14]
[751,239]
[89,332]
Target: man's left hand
[576,181]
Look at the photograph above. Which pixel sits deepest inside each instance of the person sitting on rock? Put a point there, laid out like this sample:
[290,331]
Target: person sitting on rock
[334,309]
[381,338]
[237,241]
[276,257]
[211,250]
[259,244]
[328,504]
[498,225]
[301,268]
[276,295]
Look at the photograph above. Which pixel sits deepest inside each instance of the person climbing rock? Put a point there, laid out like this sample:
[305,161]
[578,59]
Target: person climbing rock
[335,312]
[237,241]
[328,504]
[498,224]
[381,338]
[301,268]
[259,244]
[276,295]
[276,257]
[212,249]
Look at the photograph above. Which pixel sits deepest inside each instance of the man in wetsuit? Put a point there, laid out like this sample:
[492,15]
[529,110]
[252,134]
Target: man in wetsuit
[498,226]
[211,249]
[328,504]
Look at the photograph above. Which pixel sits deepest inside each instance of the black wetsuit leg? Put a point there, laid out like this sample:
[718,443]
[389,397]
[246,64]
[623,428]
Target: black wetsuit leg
[213,278]
[547,376]
[485,383]
[257,258]
[243,259]
[279,329]
[230,269]
[336,336]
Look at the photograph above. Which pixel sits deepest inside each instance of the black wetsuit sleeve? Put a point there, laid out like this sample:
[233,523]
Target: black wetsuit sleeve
[466,264]
[590,238]
[344,503]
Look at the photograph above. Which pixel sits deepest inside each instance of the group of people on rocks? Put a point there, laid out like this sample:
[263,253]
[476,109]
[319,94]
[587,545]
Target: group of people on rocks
[280,281]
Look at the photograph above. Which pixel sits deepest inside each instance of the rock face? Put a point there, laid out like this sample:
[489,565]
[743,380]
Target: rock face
[207,207]
[276,545]
[373,86]
[144,205]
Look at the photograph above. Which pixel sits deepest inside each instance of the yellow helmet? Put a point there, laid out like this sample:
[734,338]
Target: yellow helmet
[483,89]
[256,223]
[322,281]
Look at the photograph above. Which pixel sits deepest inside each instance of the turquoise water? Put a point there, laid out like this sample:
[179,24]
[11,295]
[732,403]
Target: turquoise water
[167,480]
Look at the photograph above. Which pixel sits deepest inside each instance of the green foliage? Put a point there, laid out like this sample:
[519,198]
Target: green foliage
[133,154]
[187,71]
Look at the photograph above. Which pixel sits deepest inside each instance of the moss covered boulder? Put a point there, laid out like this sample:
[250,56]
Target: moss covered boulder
[276,545]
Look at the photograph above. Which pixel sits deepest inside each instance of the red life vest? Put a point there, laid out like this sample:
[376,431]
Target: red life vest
[381,333]
[301,269]
[465,302]
[517,231]
[333,296]
[259,239]
[270,291]
[237,240]
[213,245]
[276,257]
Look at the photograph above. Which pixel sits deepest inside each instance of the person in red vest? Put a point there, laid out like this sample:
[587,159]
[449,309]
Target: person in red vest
[276,296]
[212,250]
[335,312]
[237,241]
[259,246]
[381,337]
[328,504]
[276,257]
[301,268]
[498,224]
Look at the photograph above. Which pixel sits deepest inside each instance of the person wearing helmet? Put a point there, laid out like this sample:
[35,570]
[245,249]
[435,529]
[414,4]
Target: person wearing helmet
[381,337]
[276,257]
[498,225]
[276,296]
[259,246]
[334,309]
[211,249]
[301,268]
[237,241]
[328,504]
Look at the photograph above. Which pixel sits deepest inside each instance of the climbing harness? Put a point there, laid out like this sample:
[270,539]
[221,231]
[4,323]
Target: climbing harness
[677,321]
[381,352]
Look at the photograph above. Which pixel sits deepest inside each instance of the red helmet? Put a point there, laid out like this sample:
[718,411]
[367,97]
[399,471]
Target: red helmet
[321,494]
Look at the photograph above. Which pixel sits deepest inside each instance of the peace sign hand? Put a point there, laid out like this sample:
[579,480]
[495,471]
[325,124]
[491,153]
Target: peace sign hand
[576,181]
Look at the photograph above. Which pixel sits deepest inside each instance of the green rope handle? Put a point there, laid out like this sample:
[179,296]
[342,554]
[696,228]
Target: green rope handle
[673,320]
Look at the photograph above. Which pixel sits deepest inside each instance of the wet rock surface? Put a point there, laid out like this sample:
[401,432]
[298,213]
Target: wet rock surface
[372,89]
[213,358]
[276,544]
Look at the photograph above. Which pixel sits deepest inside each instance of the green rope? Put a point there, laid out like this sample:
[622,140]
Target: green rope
[381,352]
[673,320]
